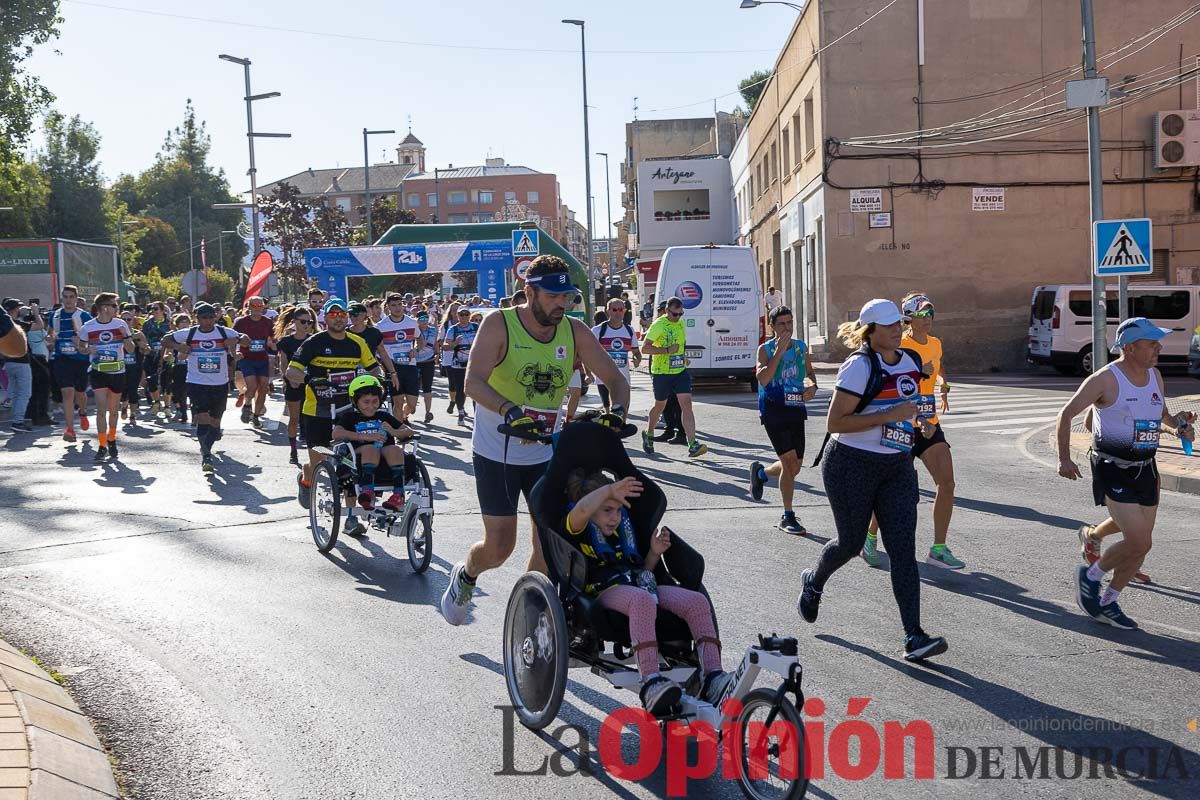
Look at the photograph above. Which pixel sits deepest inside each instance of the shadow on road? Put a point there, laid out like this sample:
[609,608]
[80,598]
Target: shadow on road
[233,484]
[1075,732]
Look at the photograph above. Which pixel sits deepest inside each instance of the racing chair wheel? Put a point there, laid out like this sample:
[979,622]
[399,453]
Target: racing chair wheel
[419,535]
[427,482]
[779,782]
[535,650]
[325,506]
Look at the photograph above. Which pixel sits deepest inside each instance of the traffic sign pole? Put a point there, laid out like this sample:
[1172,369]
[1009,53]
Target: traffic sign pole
[1096,182]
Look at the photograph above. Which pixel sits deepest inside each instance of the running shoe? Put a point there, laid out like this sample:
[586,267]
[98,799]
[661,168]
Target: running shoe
[256,421]
[101,454]
[715,685]
[679,438]
[1089,547]
[69,435]
[809,602]
[1141,577]
[428,417]
[1112,614]
[660,694]
[354,527]
[206,465]
[870,552]
[669,433]
[696,449]
[395,502]
[462,418]
[457,596]
[83,422]
[246,411]
[20,426]
[450,408]
[112,449]
[1087,593]
[758,478]
[921,646]
[789,524]
[240,401]
[647,442]
[366,499]
[944,559]
[303,493]
[293,458]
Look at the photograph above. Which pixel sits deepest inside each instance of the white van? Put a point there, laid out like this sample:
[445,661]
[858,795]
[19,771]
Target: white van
[1060,322]
[722,307]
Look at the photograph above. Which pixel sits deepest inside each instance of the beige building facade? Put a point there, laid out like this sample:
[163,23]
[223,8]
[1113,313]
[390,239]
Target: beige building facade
[842,203]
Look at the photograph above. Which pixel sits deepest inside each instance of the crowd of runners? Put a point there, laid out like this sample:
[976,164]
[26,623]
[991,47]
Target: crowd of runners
[525,365]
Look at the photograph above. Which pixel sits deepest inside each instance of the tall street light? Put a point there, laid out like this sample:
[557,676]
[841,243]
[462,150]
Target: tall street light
[587,151]
[608,233]
[367,182]
[250,137]
[757,3]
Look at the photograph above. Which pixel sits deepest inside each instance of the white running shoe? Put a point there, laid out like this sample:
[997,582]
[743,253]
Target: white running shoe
[456,599]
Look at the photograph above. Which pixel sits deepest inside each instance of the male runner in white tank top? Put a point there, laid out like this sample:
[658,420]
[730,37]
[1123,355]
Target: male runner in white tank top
[1130,409]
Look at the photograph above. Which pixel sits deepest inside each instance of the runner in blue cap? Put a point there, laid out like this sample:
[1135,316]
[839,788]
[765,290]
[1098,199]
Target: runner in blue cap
[1129,407]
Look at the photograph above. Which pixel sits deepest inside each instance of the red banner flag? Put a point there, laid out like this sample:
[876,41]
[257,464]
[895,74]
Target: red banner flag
[259,273]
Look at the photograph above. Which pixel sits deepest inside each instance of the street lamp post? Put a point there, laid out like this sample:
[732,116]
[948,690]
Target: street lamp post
[587,148]
[608,199]
[250,137]
[757,3]
[367,182]
[120,248]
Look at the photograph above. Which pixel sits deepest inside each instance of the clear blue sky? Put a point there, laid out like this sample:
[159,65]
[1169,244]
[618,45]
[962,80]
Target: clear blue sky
[130,73]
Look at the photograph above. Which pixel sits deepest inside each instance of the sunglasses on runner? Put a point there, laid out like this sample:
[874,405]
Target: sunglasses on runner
[302,321]
[336,315]
[924,312]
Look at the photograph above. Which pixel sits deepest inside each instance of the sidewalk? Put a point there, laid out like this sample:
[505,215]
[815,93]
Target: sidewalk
[1178,472]
[48,750]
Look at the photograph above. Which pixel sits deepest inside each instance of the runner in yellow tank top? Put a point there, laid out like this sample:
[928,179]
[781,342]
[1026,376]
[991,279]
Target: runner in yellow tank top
[519,368]
[934,451]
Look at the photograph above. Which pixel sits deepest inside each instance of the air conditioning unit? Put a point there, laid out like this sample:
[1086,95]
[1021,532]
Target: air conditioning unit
[1176,139]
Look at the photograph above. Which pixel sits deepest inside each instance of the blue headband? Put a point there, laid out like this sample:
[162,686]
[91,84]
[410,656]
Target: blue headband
[553,282]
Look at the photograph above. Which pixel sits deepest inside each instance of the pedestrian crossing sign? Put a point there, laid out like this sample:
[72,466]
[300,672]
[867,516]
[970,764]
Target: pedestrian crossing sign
[1122,247]
[525,242]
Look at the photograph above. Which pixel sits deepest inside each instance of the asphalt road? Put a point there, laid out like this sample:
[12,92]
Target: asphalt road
[222,656]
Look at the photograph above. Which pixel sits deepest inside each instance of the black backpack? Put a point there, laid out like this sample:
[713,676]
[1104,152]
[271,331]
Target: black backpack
[874,383]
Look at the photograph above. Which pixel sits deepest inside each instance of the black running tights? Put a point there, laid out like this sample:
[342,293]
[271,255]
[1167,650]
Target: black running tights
[859,483]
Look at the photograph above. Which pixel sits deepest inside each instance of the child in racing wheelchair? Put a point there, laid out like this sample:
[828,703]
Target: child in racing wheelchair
[623,580]
[378,432]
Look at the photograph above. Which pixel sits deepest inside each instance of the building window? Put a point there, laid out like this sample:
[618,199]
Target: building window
[510,196]
[431,200]
[810,127]
[797,136]
[685,205]
[485,197]
[532,198]
[457,197]
[458,219]
[482,216]
[773,162]
[787,161]
[414,200]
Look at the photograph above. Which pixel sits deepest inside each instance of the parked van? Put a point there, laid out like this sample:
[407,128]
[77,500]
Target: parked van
[722,307]
[1060,322]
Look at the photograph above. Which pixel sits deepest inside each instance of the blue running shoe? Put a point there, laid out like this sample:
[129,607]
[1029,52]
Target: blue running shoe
[1112,614]
[1087,593]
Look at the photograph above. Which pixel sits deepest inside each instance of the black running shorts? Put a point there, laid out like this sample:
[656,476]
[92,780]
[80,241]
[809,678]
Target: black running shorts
[1123,484]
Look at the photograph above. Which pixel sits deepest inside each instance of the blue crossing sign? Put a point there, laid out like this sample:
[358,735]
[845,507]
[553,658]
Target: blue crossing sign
[525,243]
[1122,247]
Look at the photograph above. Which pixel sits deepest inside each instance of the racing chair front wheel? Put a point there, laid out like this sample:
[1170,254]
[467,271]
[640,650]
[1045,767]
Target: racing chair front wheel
[325,506]
[772,760]
[535,650]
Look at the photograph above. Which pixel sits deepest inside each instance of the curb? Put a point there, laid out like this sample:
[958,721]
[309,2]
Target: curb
[48,749]
[1170,480]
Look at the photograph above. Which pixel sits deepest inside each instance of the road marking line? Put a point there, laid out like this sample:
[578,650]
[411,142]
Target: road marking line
[983,423]
[1006,431]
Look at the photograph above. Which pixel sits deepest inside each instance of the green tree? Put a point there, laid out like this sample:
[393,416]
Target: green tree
[752,87]
[181,171]
[75,205]
[330,228]
[385,212]
[24,25]
[160,248]
[22,188]
[286,225]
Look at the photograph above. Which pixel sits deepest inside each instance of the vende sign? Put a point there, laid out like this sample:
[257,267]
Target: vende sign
[987,199]
[866,200]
